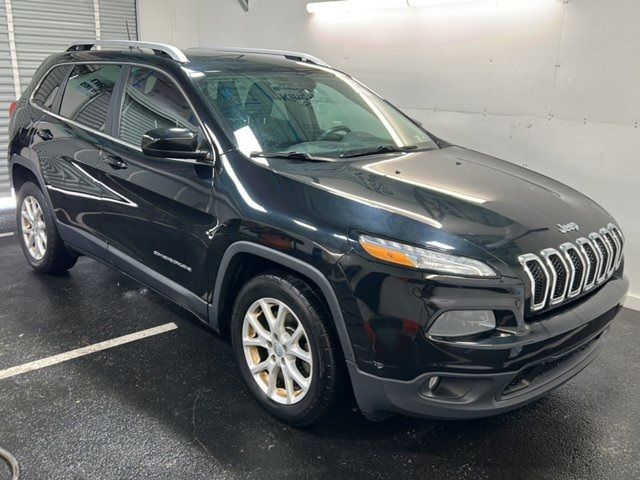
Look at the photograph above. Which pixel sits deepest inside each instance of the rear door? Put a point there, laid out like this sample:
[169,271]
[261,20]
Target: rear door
[156,211]
[68,142]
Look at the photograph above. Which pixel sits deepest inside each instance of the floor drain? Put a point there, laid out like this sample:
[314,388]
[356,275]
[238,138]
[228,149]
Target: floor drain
[13,463]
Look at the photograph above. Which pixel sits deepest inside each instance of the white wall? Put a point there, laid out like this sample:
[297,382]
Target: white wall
[548,84]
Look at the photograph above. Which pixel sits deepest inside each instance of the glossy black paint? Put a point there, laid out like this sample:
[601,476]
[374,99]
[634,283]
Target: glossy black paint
[172,143]
[155,207]
[69,158]
[169,223]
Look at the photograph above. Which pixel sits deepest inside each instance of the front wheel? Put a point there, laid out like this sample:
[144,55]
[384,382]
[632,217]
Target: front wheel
[42,246]
[287,350]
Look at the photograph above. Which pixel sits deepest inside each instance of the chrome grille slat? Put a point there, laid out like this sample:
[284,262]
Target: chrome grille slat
[592,256]
[606,235]
[558,275]
[538,279]
[577,268]
[619,240]
[605,253]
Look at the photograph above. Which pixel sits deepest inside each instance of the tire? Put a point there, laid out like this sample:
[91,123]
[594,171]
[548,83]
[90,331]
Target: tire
[325,376]
[44,249]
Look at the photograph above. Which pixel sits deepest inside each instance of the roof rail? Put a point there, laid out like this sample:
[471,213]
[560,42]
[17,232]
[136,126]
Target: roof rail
[301,57]
[157,48]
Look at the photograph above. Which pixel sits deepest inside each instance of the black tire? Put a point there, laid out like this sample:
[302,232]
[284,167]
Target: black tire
[329,387]
[57,259]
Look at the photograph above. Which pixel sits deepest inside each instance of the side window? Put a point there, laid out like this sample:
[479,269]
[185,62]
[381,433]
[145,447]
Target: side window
[88,93]
[151,100]
[49,87]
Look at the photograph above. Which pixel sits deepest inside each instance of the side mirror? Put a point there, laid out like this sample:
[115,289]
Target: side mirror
[173,142]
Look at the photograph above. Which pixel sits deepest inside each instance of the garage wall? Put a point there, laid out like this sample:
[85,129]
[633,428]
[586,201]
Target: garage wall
[43,27]
[7,94]
[548,84]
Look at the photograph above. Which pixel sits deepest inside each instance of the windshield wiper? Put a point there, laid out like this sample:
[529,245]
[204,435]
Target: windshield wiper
[381,149]
[290,155]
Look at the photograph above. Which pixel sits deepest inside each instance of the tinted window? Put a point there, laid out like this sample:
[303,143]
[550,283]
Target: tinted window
[303,108]
[50,86]
[152,100]
[88,93]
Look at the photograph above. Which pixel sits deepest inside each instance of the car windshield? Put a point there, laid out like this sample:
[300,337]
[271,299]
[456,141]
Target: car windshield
[307,110]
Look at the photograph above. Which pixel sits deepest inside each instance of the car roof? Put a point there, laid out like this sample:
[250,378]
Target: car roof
[207,58]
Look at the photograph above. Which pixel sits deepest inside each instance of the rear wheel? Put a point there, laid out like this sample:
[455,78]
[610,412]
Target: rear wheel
[287,351]
[42,246]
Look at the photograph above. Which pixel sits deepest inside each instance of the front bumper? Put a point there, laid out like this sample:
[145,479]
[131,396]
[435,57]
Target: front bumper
[554,349]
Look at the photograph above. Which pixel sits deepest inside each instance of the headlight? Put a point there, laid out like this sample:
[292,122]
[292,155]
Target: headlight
[461,323]
[417,257]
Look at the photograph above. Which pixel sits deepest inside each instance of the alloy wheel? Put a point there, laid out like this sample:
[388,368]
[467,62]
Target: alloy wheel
[34,230]
[277,350]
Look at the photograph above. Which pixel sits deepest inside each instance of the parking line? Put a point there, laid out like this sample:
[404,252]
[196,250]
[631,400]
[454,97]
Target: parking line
[80,352]
[8,234]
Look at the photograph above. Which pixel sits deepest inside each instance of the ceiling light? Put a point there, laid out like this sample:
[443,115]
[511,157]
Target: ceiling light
[435,3]
[354,5]
[500,3]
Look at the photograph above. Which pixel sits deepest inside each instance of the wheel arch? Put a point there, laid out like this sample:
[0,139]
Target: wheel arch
[268,258]
[23,170]
[20,174]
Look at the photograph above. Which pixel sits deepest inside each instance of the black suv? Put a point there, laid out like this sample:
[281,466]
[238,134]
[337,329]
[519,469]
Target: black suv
[341,246]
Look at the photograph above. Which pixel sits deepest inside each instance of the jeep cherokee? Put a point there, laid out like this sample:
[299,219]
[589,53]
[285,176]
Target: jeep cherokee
[343,248]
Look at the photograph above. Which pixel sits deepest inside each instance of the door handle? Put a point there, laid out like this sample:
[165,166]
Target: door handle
[116,163]
[45,134]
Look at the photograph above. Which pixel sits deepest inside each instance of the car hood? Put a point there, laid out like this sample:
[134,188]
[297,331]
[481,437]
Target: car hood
[500,207]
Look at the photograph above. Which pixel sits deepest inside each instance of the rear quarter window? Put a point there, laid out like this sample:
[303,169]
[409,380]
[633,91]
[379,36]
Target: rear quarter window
[49,88]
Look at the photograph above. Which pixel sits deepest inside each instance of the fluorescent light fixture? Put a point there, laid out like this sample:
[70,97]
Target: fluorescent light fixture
[435,3]
[500,3]
[354,5]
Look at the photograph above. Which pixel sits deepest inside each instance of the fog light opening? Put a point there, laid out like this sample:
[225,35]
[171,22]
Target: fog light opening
[433,383]
[463,323]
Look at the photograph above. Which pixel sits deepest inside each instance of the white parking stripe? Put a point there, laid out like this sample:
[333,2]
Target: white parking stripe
[80,352]
[8,234]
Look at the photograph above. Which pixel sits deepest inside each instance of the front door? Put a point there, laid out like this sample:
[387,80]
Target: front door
[156,211]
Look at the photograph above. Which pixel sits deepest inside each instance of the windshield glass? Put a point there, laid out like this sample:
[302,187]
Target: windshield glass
[306,109]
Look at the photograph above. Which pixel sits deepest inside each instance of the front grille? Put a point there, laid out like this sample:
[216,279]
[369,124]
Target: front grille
[611,246]
[604,253]
[540,280]
[618,240]
[562,276]
[593,260]
[559,274]
[555,276]
[578,268]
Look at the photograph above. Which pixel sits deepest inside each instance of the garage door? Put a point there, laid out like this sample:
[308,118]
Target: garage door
[7,94]
[43,27]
